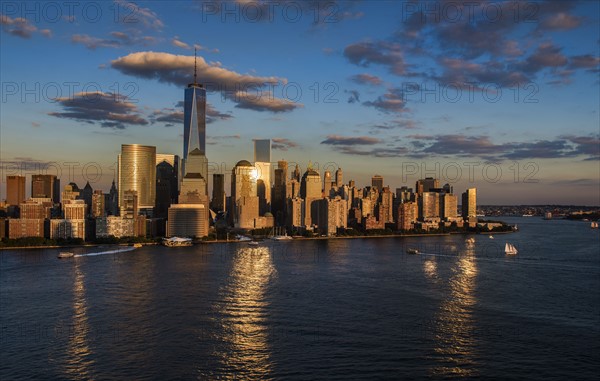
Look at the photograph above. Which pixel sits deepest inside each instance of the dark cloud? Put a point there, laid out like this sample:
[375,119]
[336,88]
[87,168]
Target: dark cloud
[350,140]
[212,114]
[545,56]
[585,61]
[481,146]
[282,144]
[379,52]
[116,40]
[174,116]
[366,79]
[354,96]
[475,42]
[392,101]
[106,109]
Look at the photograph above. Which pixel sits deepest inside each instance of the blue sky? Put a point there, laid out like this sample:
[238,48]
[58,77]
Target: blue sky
[494,95]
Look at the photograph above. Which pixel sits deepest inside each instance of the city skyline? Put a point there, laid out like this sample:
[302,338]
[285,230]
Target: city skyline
[378,81]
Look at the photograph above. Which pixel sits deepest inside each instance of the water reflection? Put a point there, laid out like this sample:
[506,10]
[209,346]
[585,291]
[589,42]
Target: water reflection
[243,307]
[454,331]
[79,355]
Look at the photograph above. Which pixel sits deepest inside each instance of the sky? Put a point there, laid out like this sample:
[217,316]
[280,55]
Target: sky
[498,95]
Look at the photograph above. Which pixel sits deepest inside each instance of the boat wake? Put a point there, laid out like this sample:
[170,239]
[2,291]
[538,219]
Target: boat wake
[106,252]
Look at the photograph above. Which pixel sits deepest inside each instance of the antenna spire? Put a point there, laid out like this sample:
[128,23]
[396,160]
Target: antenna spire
[195,66]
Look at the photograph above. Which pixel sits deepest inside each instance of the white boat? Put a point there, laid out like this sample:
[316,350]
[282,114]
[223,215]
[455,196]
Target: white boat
[491,237]
[281,238]
[510,249]
[243,238]
[177,242]
[253,243]
[65,254]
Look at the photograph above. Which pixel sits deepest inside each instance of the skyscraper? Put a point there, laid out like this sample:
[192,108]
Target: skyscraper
[469,203]
[218,193]
[15,190]
[244,199]
[45,186]
[377,182]
[137,172]
[426,185]
[194,117]
[262,162]
[339,178]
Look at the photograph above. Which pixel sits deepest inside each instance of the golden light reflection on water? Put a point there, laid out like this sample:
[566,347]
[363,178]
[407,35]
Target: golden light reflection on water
[454,331]
[78,357]
[244,309]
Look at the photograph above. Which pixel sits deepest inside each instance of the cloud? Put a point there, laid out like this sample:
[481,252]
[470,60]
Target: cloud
[170,117]
[180,44]
[366,79]
[244,89]
[586,61]
[354,96]
[134,14]
[35,124]
[18,26]
[46,33]
[481,146]
[350,140]
[406,124]
[546,55]
[380,52]
[116,40]
[174,116]
[560,21]
[282,144]
[107,109]
[212,114]
[22,164]
[392,101]
[262,101]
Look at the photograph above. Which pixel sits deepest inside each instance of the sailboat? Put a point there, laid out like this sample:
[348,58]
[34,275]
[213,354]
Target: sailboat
[510,249]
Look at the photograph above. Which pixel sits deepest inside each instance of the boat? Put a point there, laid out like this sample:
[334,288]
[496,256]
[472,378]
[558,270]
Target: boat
[412,251]
[594,225]
[281,237]
[137,245]
[243,238]
[510,249]
[253,243]
[177,242]
[515,228]
[491,237]
[65,254]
